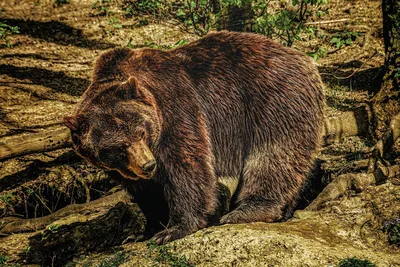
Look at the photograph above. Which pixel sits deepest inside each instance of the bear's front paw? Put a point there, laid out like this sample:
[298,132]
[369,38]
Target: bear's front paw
[233,217]
[249,213]
[170,234]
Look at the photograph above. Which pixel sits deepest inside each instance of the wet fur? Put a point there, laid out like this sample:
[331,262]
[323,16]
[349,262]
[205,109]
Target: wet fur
[227,105]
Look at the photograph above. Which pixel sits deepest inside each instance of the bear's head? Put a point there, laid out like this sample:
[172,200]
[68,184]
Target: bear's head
[117,126]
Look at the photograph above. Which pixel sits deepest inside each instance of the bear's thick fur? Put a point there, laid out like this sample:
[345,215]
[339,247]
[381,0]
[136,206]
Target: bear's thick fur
[227,106]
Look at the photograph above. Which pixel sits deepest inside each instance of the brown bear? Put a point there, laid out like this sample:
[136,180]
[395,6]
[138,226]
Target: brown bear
[227,106]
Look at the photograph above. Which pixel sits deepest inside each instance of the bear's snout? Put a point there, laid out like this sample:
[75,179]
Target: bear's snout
[141,160]
[149,167]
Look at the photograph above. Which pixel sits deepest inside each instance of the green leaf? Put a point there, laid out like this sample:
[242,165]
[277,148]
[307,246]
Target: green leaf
[181,42]
[335,40]
[180,13]
[3,259]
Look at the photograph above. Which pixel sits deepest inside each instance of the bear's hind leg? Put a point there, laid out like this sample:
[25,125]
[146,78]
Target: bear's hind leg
[271,184]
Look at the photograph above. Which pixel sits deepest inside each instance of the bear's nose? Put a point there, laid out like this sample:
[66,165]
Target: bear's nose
[149,166]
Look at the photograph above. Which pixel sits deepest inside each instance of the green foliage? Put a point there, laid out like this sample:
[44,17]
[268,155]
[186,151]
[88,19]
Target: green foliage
[115,23]
[344,38]
[114,261]
[6,198]
[6,31]
[101,7]
[392,229]
[355,262]
[198,15]
[29,191]
[286,24]
[166,256]
[397,72]
[158,46]
[181,42]
[4,262]
[53,228]
[136,7]
[320,52]
[3,259]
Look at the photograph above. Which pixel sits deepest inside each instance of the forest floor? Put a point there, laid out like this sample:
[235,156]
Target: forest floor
[49,64]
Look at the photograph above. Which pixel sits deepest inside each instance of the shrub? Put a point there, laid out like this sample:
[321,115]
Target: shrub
[344,38]
[392,229]
[285,23]
[6,31]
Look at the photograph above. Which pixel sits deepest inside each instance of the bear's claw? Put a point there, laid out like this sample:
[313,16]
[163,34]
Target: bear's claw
[169,235]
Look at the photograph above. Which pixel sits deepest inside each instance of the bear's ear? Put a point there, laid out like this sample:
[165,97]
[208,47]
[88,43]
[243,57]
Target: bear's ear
[130,89]
[73,122]
[109,64]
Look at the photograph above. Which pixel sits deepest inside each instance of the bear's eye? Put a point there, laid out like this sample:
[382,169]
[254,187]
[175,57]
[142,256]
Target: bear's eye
[75,137]
[142,134]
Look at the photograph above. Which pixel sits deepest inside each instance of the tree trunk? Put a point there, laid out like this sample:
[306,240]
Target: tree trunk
[236,17]
[387,100]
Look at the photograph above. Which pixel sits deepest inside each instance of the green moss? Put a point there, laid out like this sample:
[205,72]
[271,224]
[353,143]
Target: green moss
[114,261]
[4,262]
[163,254]
[355,262]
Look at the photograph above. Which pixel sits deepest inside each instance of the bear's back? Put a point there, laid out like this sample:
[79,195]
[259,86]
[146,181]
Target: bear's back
[253,91]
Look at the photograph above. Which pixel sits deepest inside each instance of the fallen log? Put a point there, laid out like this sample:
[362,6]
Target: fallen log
[19,225]
[54,239]
[11,147]
[349,123]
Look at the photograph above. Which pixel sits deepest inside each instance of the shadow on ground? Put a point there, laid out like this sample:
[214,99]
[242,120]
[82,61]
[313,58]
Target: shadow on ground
[56,80]
[366,80]
[57,32]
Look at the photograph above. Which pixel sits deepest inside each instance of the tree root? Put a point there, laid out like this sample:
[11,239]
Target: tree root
[355,181]
[385,145]
[379,170]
